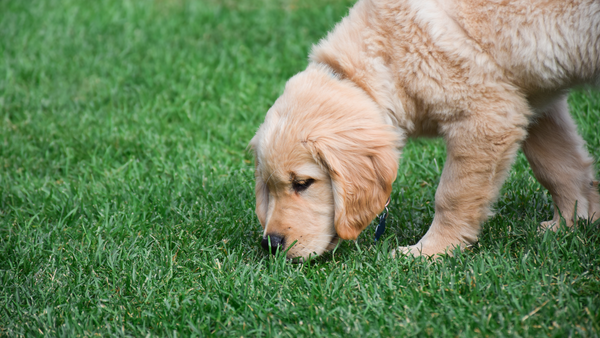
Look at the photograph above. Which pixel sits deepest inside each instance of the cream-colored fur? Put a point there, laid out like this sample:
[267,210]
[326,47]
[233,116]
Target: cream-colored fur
[489,76]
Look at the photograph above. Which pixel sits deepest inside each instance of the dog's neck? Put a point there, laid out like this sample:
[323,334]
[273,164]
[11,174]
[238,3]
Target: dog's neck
[351,52]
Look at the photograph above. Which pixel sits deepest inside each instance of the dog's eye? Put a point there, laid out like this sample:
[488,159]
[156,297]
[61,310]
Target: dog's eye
[302,185]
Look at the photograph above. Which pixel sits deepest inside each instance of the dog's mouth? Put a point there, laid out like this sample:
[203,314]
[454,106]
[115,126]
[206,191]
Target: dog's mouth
[300,259]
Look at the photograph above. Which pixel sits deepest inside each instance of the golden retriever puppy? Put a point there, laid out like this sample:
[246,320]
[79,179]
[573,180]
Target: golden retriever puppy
[489,76]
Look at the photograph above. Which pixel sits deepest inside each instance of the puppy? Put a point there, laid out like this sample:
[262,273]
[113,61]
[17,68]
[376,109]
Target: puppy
[489,76]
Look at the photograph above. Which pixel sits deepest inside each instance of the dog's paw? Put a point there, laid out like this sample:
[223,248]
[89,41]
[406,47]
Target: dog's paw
[549,225]
[413,250]
[427,249]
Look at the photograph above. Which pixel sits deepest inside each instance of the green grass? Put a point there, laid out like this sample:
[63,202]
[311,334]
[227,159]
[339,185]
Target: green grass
[126,192]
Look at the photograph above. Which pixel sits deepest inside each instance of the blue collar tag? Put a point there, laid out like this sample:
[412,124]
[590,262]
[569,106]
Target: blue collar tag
[381,226]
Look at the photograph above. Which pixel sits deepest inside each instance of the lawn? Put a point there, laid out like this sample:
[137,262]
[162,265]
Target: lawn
[127,203]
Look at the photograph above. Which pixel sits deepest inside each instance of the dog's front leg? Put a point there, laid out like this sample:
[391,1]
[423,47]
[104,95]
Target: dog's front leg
[480,153]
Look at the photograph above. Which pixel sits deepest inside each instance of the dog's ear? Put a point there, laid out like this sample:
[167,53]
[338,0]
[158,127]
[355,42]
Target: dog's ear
[261,190]
[362,164]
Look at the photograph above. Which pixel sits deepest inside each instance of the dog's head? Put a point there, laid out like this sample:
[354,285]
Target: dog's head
[325,163]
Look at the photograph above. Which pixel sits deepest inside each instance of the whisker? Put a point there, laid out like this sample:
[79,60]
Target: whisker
[268,179]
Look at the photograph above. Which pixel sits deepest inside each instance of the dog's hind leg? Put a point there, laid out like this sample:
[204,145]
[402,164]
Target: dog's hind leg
[560,162]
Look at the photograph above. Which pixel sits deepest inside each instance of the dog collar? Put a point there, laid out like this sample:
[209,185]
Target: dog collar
[380,229]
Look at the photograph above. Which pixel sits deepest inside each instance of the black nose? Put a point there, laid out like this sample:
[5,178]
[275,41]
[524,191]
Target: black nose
[277,242]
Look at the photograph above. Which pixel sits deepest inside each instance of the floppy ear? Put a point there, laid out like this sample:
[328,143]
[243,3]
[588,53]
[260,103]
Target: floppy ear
[362,164]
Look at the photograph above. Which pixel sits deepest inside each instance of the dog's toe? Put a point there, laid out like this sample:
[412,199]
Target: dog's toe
[548,225]
[413,250]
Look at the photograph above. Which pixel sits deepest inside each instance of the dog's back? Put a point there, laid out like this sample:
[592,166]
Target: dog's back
[542,45]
